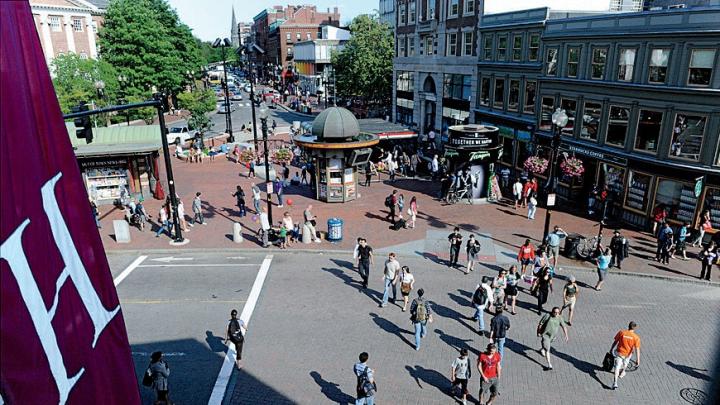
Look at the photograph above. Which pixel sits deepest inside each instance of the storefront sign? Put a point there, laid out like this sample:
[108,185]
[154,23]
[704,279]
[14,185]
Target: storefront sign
[594,154]
[551,200]
[479,155]
[698,186]
[103,162]
[467,136]
[470,141]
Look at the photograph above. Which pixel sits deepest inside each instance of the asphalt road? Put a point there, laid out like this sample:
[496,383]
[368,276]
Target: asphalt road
[311,321]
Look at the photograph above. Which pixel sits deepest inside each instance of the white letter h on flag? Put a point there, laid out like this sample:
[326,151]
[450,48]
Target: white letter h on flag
[12,251]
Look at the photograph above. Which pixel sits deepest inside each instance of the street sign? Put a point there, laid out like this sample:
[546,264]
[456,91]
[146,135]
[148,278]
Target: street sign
[551,200]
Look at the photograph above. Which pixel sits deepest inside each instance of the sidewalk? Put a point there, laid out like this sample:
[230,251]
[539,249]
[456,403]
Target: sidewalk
[500,228]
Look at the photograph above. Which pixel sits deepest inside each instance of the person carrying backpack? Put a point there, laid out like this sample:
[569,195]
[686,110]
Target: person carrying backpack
[160,372]
[366,387]
[481,299]
[472,248]
[420,315]
[235,332]
[390,204]
[460,374]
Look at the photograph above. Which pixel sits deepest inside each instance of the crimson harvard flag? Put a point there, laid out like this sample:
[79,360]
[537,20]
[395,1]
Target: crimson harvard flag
[62,334]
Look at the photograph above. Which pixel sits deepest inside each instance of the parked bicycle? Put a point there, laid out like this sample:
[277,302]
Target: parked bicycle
[455,195]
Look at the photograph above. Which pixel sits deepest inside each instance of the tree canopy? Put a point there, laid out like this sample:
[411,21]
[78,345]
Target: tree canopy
[75,81]
[198,102]
[146,42]
[363,68]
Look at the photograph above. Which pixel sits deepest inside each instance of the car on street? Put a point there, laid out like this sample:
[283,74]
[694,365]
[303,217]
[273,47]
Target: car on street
[247,88]
[236,96]
[179,135]
[224,108]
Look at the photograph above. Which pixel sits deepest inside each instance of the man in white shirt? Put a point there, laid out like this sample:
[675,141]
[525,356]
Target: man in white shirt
[518,192]
[264,227]
[390,276]
[435,167]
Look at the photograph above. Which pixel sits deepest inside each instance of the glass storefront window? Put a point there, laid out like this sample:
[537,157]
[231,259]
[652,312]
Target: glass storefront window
[638,190]
[614,178]
[507,155]
[499,93]
[617,125]
[678,198]
[711,203]
[687,137]
[648,130]
[529,97]
[546,111]
[484,99]
[591,120]
[514,95]
[524,151]
[570,107]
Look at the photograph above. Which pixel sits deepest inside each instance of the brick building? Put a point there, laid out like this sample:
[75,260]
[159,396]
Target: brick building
[276,30]
[68,26]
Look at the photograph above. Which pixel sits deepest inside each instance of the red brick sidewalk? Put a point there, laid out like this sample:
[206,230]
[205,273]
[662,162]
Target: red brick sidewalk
[365,217]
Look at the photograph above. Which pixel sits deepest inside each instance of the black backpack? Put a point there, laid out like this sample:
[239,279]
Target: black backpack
[480,296]
[389,201]
[235,332]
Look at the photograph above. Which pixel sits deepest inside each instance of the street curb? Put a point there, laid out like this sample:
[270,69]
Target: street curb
[565,270]
[287,109]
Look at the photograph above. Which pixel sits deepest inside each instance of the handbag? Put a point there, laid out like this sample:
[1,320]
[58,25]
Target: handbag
[147,378]
[608,362]
[405,288]
[409,211]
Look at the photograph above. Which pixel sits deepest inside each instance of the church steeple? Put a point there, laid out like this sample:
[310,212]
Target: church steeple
[234,32]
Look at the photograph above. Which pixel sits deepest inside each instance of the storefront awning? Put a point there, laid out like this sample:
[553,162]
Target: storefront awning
[118,140]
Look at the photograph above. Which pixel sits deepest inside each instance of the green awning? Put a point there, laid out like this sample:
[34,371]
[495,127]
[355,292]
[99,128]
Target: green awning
[117,140]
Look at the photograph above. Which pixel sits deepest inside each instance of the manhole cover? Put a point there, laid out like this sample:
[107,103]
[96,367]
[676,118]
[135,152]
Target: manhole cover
[693,396]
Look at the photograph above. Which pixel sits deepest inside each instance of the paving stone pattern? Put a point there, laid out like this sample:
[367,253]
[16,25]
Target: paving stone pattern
[312,321]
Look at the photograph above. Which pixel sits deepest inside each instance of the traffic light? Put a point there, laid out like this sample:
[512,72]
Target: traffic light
[83,127]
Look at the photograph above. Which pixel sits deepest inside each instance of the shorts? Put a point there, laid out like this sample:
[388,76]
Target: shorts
[570,302]
[621,362]
[526,262]
[518,199]
[462,382]
[546,342]
[554,250]
[493,385]
[602,274]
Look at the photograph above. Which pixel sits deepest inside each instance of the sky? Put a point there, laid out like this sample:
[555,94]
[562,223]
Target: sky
[210,20]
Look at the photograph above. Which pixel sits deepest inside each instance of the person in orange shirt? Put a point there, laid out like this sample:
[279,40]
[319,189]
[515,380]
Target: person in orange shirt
[625,342]
[526,255]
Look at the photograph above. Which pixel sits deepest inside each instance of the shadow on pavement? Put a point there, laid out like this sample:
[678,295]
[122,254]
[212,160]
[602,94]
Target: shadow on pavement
[690,371]
[429,377]
[522,350]
[456,342]
[446,312]
[357,284]
[331,390]
[215,342]
[390,327]
[583,366]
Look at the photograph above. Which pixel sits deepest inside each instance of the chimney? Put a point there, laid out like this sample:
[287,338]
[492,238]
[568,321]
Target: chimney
[328,10]
[335,10]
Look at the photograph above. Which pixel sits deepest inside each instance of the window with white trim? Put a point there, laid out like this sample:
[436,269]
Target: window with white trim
[54,23]
[467,43]
[573,61]
[701,67]
[77,24]
[517,48]
[453,8]
[469,6]
[551,61]
[411,12]
[502,48]
[451,49]
[534,47]
[487,46]
[402,14]
[626,64]
[657,71]
[599,59]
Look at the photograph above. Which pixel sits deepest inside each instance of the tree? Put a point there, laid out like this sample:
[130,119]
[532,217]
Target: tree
[363,68]
[147,43]
[199,102]
[208,53]
[75,81]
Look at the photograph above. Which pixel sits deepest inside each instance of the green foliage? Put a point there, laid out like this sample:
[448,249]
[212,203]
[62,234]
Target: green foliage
[208,53]
[75,80]
[199,103]
[146,42]
[363,68]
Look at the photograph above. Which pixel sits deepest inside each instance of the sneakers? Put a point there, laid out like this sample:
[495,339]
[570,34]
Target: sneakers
[615,386]
[318,241]
[622,374]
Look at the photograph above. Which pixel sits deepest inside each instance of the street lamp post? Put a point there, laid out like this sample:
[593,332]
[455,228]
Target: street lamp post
[559,120]
[222,44]
[251,70]
[263,120]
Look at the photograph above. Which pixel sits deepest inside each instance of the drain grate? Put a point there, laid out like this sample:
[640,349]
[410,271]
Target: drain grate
[694,396]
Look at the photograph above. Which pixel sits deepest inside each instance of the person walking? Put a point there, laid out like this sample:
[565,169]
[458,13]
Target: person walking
[160,371]
[391,204]
[624,343]
[407,283]
[708,256]
[256,197]
[511,289]
[264,228]
[365,259]
[366,387]
[455,239]
[472,249]
[197,209]
[543,287]
[390,277]
[526,256]
[526,192]
[553,243]
[278,188]
[704,225]
[531,205]
[570,294]
[240,199]
[181,216]
[309,223]
[499,325]
[481,299]
[435,167]
[460,374]
[664,237]
[369,171]
[517,190]
[401,203]
[420,315]
[547,330]
[303,175]
[413,211]
[163,223]
[618,249]
[681,242]
[488,365]
[235,333]
[603,264]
